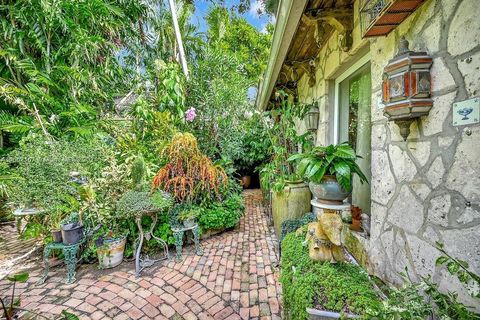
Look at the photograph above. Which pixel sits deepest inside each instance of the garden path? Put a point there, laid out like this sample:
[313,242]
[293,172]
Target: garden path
[236,278]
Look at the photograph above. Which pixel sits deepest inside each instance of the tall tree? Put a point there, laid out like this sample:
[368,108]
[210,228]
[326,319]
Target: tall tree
[58,61]
[234,35]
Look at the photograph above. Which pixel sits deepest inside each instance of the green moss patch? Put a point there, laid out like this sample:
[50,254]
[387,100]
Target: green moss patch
[341,287]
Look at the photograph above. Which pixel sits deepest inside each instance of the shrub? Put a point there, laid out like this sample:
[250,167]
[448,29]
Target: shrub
[44,168]
[222,214]
[340,287]
[292,225]
[189,175]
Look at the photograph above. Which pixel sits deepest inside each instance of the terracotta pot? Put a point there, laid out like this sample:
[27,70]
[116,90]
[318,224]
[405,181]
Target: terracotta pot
[245,181]
[328,191]
[356,213]
[356,225]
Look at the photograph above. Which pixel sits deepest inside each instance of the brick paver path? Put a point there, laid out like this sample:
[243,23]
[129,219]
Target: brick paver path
[236,278]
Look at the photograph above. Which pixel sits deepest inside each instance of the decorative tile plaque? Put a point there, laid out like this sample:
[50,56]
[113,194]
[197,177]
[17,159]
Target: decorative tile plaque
[466,112]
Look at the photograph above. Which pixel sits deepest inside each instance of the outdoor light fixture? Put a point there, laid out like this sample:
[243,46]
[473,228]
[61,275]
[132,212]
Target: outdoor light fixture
[311,118]
[407,87]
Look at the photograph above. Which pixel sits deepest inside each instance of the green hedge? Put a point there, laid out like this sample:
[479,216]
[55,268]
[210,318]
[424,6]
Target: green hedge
[341,287]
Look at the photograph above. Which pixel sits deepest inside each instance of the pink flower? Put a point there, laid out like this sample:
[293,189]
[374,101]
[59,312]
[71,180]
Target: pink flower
[190,114]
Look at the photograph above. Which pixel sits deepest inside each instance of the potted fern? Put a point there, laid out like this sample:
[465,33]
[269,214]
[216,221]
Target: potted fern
[329,170]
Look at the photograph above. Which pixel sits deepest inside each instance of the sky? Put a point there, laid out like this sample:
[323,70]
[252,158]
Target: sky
[258,21]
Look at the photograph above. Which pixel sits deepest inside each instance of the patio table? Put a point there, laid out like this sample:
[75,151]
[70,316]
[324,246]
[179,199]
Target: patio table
[27,214]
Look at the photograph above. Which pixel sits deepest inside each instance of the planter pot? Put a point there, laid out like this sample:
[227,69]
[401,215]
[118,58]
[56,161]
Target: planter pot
[245,181]
[329,191]
[356,225]
[315,314]
[189,223]
[292,203]
[72,233]
[110,252]
[57,236]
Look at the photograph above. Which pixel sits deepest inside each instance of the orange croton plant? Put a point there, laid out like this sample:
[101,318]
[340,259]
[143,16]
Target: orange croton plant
[189,174]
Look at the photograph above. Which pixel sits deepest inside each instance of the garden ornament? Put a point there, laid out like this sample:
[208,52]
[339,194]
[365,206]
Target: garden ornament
[324,238]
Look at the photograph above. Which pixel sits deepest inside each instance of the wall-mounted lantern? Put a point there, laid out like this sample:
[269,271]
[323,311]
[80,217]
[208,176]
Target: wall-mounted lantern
[406,87]
[311,118]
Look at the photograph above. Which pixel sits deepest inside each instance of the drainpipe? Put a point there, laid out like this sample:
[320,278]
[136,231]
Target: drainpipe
[178,36]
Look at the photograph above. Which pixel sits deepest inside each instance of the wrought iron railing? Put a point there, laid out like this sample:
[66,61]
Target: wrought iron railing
[370,10]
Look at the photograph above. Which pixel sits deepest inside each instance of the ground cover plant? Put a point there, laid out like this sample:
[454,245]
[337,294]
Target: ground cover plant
[341,287]
[346,288]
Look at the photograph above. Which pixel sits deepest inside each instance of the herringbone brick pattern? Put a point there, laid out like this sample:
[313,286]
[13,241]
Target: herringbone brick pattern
[236,278]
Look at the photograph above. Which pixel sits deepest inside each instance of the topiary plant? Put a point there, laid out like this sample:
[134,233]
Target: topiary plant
[136,202]
[139,199]
[138,173]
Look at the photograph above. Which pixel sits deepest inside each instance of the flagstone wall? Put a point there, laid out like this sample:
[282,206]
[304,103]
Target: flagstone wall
[426,189]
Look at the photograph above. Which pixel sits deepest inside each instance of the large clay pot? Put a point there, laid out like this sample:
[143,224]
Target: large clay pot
[329,190]
[292,203]
[245,181]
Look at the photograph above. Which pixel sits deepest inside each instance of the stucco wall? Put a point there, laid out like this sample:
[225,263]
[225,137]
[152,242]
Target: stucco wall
[421,189]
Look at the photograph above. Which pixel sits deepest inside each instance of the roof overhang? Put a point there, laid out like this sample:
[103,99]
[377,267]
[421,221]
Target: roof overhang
[288,17]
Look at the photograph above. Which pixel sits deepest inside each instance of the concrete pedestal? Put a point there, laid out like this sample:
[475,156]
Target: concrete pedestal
[343,209]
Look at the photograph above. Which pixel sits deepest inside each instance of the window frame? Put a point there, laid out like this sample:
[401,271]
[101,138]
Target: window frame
[336,110]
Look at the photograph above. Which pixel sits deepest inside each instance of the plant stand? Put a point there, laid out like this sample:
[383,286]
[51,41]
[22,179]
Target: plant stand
[144,261]
[343,209]
[27,214]
[178,233]
[70,255]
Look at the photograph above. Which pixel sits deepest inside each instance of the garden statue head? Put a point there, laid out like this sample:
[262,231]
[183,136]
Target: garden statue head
[332,226]
[324,238]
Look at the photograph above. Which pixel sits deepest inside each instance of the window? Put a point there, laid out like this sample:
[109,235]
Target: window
[353,91]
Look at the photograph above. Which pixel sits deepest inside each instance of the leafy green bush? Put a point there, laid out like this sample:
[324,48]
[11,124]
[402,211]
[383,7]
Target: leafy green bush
[292,225]
[44,169]
[340,287]
[222,214]
[255,144]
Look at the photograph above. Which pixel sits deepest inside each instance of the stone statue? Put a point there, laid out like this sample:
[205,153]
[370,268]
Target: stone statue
[324,237]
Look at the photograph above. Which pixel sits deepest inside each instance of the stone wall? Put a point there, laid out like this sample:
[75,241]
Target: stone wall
[422,188]
[428,188]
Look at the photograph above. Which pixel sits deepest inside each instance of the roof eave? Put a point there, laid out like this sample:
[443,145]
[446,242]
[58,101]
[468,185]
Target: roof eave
[288,17]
